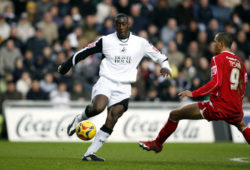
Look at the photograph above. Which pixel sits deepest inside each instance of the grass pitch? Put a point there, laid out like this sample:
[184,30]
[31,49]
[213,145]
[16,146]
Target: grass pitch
[127,156]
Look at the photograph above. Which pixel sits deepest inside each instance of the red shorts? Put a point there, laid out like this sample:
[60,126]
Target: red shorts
[209,112]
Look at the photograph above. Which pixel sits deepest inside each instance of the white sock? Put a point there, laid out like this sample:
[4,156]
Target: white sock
[82,116]
[99,140]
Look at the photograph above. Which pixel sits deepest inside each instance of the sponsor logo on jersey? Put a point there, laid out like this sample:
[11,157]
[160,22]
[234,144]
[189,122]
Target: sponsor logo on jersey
[122,60]
[91,45]
[155,49]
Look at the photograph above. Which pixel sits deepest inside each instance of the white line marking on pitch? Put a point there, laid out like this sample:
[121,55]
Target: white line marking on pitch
[243,159]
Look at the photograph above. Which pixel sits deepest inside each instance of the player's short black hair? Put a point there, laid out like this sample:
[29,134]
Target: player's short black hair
[226,38]
[120,15]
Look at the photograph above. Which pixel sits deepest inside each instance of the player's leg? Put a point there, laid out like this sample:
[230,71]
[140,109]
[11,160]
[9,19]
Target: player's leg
[114,113]
[244,130]
[117,105]
[190,111]
[99,100]
[97,106]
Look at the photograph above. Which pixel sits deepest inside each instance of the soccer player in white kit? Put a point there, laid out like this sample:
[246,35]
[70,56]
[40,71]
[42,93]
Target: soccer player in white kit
[122,52]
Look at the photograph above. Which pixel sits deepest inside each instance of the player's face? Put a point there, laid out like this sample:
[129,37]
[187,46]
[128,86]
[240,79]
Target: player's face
[217,45]
[121,26]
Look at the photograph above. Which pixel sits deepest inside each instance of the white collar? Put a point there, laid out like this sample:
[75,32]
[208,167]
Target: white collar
[124,40]
[228,52]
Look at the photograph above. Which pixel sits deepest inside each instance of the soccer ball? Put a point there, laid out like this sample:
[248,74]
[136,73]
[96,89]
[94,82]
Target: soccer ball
[85,130]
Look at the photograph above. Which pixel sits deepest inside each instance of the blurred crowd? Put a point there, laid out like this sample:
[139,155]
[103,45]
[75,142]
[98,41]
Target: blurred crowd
[36,36]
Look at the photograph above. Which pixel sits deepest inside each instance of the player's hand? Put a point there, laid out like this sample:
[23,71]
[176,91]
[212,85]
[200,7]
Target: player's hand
[63,68]
[185,93]
[165,72]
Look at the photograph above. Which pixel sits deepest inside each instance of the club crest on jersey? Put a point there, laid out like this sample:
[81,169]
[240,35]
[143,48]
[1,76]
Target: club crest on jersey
[123,50]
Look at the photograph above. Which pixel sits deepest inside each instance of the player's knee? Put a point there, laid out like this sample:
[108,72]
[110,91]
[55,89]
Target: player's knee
[98,108]
[174,115]
[241,126]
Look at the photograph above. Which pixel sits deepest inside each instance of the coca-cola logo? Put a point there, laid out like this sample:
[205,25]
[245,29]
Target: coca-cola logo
[137,125]
[28,126]
[189,131]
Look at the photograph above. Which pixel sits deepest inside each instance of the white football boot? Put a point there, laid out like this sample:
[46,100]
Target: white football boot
[71,129]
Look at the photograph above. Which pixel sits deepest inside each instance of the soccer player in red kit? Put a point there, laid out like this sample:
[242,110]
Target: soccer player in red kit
[226,89]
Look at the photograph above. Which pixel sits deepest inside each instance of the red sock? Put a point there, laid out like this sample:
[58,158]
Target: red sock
[166,131]
[246,134]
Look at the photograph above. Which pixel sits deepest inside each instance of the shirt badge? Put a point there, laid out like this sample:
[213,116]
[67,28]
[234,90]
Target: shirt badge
[123,50]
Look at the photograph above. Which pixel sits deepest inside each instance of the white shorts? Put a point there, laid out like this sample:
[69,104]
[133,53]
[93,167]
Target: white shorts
[115,91]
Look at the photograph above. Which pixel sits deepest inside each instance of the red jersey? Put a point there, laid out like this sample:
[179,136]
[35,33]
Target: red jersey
[227,85]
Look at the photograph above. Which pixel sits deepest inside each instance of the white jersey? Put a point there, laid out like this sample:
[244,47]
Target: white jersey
[121,57]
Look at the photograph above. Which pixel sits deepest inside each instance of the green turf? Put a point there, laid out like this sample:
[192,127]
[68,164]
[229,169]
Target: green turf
[35,156]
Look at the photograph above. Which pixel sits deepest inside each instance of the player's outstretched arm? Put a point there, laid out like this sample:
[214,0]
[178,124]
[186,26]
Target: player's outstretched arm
[95,47]
[214,83]
[156,56]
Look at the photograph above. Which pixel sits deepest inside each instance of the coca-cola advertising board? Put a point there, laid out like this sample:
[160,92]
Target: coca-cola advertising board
[49,124]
